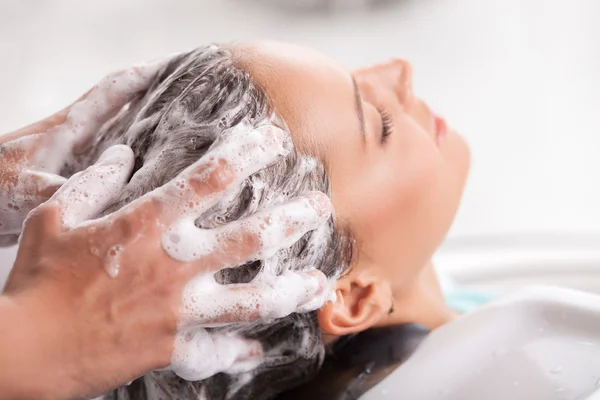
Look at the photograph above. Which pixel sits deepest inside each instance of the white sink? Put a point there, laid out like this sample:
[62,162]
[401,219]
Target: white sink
[540,343]
[501,263]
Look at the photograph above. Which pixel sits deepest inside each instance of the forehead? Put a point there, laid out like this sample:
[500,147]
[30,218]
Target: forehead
[313,93]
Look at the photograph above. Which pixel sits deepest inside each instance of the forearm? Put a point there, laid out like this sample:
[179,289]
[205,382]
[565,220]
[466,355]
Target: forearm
[28,366]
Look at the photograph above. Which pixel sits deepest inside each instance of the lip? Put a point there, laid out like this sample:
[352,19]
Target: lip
[441,128]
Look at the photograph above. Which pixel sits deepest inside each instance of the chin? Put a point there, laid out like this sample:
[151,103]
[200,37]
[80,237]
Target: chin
[457,153]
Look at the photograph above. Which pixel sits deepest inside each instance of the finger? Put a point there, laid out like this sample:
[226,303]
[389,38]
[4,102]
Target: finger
[259,236]
[86,116]
[42,184]
[37,127]
[89,192]
[21,193]
[109,96]
[242,152]
[44,221]
[43,125]
[199,354]
[209,304]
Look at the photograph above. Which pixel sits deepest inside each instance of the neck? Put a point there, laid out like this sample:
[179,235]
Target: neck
[422,302]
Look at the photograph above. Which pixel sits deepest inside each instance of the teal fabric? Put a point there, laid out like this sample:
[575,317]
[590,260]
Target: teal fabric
[466,300]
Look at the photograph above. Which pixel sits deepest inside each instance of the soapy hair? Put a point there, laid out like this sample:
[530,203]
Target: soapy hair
[196,98]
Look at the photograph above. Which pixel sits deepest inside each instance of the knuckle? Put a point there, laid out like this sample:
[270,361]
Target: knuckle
[125,227]
[44,218]
[212,178]
[152,207]
[46,210]
[140,213]
[240,245]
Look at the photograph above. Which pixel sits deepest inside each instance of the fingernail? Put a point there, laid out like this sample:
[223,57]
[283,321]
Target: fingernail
[118,154]
[314,282]
[321,204]
[277,138]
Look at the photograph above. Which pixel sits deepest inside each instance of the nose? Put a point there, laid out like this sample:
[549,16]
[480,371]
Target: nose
[403,82]
[399,73]
[395,75]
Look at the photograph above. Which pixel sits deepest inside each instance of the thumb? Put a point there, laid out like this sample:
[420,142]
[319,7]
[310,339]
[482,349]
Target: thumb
[89,192]
[42,184]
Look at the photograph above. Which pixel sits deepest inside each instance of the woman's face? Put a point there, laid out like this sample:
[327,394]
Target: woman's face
[397,173]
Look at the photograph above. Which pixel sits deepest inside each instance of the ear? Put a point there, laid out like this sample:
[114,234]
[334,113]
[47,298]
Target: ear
[362,301]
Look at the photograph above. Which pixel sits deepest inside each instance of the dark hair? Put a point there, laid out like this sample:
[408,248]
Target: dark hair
[196,98]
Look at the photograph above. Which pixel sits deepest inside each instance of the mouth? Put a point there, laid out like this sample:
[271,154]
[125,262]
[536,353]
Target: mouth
[434,124]
[441,128]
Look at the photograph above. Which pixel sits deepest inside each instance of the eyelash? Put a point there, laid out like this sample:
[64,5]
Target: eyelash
[386,124]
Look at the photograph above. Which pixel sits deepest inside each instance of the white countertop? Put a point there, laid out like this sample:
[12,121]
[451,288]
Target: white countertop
[519,78]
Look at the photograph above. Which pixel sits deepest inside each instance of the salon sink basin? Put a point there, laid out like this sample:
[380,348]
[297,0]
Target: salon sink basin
[538,340]
[501,263]
[538,343]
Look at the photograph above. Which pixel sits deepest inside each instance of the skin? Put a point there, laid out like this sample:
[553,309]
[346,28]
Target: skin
[398,196]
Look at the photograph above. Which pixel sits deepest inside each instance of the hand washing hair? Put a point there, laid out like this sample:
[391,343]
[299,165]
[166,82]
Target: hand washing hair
[195,100]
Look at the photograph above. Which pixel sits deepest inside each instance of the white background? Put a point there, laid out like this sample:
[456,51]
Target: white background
[519,78]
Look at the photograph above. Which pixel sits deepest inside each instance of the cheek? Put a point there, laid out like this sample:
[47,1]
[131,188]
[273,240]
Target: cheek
[410,191]
[405,210]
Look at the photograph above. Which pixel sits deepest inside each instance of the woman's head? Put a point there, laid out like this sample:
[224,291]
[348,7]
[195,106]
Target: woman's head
[395,194]
[397,173]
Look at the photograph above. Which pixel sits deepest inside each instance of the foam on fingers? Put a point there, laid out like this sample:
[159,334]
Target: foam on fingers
[209,304]
[87,193]
[109,96]
[18,198]
[86,116]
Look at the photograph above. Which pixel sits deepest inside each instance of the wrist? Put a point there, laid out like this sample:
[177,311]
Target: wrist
[16,353]
[30,352]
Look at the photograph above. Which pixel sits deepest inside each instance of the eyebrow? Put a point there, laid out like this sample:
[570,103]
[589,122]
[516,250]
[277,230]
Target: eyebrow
[359,108]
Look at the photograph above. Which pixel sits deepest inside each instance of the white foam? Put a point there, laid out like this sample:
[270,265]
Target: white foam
[199,354]
[327,295]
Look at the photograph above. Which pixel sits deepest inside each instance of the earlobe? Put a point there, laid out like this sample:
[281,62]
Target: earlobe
[360,304]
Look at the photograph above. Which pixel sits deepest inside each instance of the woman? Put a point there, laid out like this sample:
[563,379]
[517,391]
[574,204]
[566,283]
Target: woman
[394,171]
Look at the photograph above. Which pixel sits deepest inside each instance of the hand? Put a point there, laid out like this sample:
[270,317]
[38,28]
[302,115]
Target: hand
[31,158]
[110,299]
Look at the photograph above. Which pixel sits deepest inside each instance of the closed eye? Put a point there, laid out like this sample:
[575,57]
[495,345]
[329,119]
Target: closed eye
[386,124]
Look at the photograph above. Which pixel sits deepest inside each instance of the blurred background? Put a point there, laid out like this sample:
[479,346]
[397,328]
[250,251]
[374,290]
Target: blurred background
[519,78]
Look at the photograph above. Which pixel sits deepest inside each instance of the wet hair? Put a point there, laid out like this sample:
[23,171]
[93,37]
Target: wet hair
[197,97]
